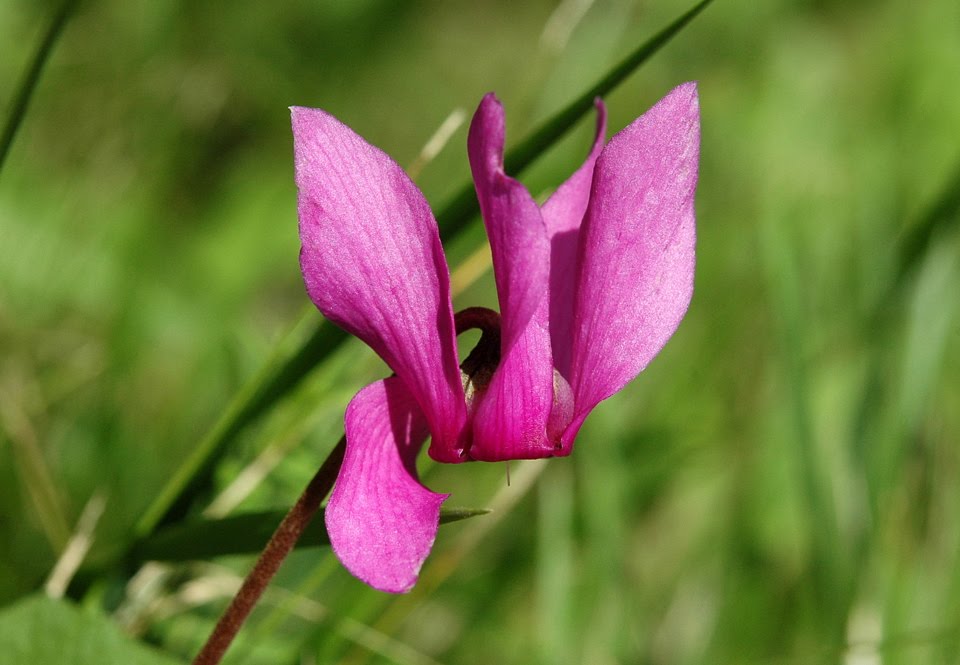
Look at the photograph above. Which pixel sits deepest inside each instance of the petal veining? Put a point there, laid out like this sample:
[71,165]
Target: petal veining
[636,254]
[511,418]
[510,421]
[382,522]
[373,264]
[518,236]
[563,213]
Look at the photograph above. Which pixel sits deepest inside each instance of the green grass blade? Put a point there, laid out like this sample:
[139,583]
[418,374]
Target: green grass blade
[558,634]
[21,101]
[785,283]
[917,238]
[287,370]
[242,534]
[887,418]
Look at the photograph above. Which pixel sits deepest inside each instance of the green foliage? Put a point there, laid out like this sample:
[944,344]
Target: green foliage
[38,630]
[245,533]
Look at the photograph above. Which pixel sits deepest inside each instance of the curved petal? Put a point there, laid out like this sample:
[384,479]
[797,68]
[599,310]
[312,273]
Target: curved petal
[382,522]
[511,416]
[510,421]
[636,260]
[517,418]
[518,236]
[373,264]
[562,213]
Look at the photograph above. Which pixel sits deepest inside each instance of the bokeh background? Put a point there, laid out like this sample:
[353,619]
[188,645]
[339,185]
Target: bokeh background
[779,486]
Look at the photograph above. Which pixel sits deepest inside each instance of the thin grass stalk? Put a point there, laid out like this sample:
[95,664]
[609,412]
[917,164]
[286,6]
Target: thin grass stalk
[31,77]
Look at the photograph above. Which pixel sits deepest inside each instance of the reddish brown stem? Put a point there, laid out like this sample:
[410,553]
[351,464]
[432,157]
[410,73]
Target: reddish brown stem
[485,319]
[280,545]
[483,360]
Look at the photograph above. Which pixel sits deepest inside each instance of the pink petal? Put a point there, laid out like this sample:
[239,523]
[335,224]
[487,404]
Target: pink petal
[518,236]
[562,213]
[382,522]
[511,417]
[373,264]
[635,274]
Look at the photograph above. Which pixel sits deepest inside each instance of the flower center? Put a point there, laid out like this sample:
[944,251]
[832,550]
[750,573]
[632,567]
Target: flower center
[477,369]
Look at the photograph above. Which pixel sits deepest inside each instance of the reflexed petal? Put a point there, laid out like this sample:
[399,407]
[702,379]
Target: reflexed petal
[518,237]
[373,264]
[635,273]
[511,417]
[562,213]
[382,522]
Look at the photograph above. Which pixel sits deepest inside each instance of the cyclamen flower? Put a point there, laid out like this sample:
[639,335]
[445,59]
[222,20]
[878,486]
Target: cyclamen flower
[591,285]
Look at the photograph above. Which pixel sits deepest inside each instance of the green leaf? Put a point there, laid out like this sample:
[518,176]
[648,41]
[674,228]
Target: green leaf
[41,631]
[292,365]
[243,534]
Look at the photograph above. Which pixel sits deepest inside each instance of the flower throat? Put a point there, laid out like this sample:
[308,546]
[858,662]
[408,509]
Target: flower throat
[477,369]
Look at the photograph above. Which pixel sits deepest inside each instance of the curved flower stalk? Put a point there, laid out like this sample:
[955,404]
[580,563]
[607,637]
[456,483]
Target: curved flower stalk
[591,285]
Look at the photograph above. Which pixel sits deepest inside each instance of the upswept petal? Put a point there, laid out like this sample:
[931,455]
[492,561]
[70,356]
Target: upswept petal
[373,264]
[562,213]
[382,522]
[518,236]
[636,257]
[511,417]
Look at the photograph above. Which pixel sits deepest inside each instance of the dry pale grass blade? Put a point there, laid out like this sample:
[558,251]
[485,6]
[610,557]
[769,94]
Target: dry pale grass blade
[247,481]
[470,270]
[37,479]
[77,547]
[561,24]
[145,596]
[437,142]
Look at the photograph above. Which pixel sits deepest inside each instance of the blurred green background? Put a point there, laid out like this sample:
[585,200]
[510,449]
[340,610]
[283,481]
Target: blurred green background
[780,485]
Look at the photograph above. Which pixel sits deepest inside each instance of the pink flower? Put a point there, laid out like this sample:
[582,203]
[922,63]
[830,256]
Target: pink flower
[591,286]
